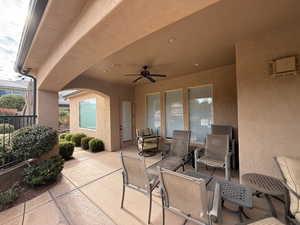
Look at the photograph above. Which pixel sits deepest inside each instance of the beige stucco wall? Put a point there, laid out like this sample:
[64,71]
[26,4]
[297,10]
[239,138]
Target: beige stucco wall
[224,95]
[102,130]
[116,94]
[268,108]
[47,108]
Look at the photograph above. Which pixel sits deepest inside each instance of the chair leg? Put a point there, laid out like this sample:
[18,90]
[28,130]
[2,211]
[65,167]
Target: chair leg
[163,209]
[227,173]
[183,168]
[150,207]
[123,196]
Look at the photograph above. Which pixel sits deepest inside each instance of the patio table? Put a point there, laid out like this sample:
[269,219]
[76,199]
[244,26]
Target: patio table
[268,186]
[236,194]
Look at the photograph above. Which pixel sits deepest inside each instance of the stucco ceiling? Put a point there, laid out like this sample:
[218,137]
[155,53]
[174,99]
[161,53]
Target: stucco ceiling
[206,38]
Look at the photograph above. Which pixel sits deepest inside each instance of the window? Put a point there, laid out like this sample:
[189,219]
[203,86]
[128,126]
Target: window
[87,113]
[200,112]
[153,112]
[174,112]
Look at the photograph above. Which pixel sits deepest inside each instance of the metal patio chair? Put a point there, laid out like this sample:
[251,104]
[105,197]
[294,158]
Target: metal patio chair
[188,197]
[227,130]
[178,154]
[290,171]
[216,154]
[135,176]
[147,140]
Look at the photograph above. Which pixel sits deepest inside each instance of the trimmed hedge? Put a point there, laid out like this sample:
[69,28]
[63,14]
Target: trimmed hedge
[6,128]
[85,142]
[76,139]
[32,142]
[68,137]
[62,136]
[96,145]
[44,172]
[66,149]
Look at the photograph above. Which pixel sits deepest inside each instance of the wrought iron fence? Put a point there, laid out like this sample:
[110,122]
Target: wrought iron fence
[8,124]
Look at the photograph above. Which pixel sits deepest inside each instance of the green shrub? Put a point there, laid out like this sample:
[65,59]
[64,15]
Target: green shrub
[76,139]
[6,128]
[68,137]
[44,172]
[66,149]
[9,196]
[62,136]
[85,142]
[32,142]
[96,145]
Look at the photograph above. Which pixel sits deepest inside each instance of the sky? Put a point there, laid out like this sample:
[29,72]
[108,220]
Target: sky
[12,18]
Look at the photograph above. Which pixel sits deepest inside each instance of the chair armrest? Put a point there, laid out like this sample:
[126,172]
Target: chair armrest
[215,213]
[197,152]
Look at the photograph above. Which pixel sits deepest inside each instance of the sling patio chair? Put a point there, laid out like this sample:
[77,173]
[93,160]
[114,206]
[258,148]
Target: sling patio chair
[136,177]
[216,154]
[188,197]
[178,154]
[227,130]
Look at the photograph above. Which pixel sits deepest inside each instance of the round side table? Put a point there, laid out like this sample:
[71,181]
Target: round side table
[268,186]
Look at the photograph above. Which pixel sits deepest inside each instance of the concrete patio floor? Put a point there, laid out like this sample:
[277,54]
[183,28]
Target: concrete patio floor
[89,193]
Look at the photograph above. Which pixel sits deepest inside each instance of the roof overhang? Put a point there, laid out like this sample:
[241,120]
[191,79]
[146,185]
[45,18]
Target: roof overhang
[35,13]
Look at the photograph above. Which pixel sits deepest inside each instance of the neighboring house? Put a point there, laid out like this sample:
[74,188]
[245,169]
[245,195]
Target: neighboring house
[13,87]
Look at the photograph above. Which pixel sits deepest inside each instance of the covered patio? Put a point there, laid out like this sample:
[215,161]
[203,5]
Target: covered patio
[89,192]
[232,63]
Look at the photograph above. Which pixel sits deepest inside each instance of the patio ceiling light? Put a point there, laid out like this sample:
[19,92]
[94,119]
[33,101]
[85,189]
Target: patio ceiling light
[171,40]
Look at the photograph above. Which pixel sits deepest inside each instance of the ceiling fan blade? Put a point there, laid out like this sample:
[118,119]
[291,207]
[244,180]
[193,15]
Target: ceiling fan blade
[137,79]
[158,75]
[151,79]
[132,75]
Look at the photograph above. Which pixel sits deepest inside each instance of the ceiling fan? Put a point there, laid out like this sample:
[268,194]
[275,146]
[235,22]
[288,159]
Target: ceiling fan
[145,73]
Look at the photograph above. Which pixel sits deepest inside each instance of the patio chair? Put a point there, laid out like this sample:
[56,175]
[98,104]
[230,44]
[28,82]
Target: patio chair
[135,176]
[227,130]
[178,154]
[188,197]
[146,140]
[216,154]
[290,171]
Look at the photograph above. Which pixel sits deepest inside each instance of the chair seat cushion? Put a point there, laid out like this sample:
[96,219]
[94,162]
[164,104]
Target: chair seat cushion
[211,162]
[290,168]
[267,221]
[170,163]
[147,146]
[297,217]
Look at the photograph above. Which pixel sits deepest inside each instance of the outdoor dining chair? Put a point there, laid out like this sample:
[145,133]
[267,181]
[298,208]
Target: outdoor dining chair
[188,197]
[227,130]
[178,154]
[135,176]
[216,154]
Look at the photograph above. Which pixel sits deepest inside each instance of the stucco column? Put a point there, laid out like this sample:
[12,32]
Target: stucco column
[47,108]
